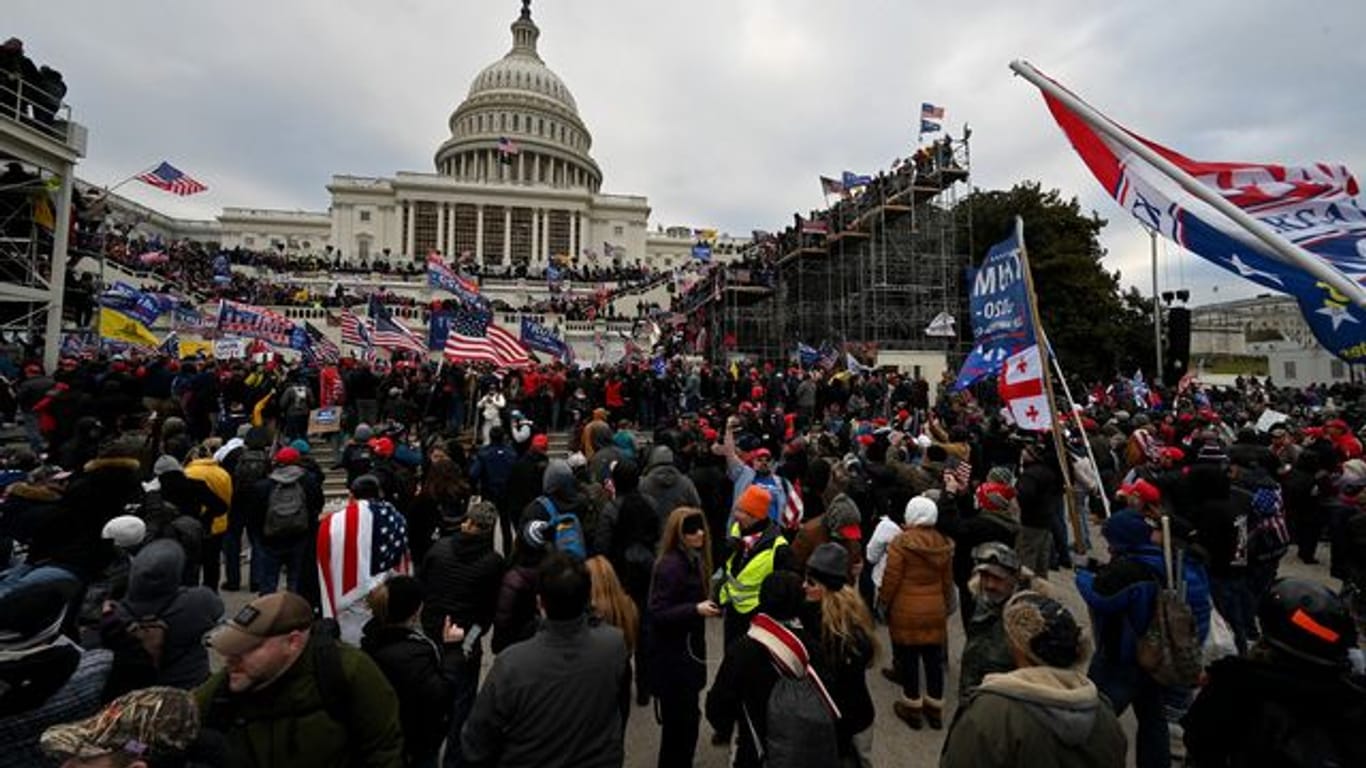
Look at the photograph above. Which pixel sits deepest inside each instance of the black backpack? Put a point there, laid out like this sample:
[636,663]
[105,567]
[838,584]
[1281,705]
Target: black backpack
[252,465]
[286,510]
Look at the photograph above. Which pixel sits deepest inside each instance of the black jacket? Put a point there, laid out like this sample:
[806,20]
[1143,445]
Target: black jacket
[676,645]
[422,676]
[1039,493]
[102,491]
[460,576]
[524,479]
[1283,714]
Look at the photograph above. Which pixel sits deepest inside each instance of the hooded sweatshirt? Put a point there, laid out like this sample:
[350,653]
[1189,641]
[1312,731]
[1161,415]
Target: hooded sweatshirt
[154,591]
[1015,719]
[666,487]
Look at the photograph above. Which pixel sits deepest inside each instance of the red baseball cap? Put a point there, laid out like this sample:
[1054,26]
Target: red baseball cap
[540,443]
[287,455]
[1173,453]
[761,453]
[851,532]
[1145,491]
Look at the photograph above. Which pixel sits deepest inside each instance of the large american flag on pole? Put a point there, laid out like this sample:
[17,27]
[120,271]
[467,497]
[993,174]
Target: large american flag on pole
[473,336]
[359,546]
[171,179]
[356,331]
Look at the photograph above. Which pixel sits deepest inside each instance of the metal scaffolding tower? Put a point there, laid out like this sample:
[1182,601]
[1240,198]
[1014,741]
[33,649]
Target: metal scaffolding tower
[39,149]
[893,259]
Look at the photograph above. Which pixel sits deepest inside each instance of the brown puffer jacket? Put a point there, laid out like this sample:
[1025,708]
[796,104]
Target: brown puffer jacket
[917,585]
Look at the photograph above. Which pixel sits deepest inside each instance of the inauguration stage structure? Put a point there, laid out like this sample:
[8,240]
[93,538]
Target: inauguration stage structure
[871,273]
[39,148]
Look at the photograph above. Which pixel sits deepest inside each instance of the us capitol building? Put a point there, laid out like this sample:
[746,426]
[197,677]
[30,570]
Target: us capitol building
[541,201]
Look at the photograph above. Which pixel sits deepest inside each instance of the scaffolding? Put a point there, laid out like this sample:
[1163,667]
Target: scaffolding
[39,149]
[892,260]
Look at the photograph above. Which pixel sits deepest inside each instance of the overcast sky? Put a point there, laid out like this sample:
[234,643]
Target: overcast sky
[723,112]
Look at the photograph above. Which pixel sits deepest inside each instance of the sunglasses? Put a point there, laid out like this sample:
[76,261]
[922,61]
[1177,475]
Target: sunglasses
[694,524]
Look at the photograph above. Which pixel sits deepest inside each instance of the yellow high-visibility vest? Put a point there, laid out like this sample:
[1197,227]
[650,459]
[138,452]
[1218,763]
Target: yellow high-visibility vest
[741,590]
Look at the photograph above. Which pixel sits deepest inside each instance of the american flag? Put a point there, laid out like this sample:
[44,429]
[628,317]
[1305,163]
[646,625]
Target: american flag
[171,179]
[929,111]
[356,331]
[507,146]
[359,547]
[389,333]
[473,336]
[321,348]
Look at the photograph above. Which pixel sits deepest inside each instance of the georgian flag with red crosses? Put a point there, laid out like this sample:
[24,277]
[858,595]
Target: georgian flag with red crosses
[1021,387]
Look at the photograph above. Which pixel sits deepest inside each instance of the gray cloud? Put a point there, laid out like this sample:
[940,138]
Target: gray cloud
[724,113]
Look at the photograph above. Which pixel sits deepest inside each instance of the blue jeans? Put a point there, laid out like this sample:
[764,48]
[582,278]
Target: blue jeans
[1126,685]
[271,558]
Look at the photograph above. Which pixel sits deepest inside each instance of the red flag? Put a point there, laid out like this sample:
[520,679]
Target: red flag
[1021,387]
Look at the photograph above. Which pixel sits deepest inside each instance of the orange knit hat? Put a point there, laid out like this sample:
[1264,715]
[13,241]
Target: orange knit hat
[754,502]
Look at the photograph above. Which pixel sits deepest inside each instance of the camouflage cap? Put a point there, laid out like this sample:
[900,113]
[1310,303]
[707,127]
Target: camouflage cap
[152,722]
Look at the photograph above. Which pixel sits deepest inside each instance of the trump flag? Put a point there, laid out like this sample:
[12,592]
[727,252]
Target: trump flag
[1303,233]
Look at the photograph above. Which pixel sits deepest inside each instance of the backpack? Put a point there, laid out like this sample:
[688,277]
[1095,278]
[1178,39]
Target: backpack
[801,730]
[286,511]
[568,531]
[334,692]
[1169,651]
[252,465]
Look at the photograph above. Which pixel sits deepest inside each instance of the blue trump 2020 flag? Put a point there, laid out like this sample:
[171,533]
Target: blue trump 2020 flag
[1001,322]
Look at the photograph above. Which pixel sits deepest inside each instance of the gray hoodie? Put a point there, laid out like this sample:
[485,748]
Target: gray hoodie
[154,590]
[666,487]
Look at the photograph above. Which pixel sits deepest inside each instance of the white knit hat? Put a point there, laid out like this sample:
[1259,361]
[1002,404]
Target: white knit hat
[126,531]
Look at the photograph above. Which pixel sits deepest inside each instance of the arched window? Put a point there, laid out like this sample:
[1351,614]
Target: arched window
[503,122]
[540,127]
[516,122]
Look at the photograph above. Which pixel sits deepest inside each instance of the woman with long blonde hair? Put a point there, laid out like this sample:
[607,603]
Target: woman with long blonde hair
[677,651]
[611,605]
[610,602]
[849,644]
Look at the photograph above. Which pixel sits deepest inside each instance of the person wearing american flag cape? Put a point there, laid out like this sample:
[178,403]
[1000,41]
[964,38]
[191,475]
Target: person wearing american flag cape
[359,547]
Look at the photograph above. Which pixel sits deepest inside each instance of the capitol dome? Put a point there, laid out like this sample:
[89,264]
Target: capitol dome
[519,124]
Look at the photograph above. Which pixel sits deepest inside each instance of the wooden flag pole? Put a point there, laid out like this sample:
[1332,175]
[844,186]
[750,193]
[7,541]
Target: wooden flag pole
[1059,445]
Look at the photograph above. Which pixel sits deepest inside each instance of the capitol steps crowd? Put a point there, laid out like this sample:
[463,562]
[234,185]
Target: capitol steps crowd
[798,510]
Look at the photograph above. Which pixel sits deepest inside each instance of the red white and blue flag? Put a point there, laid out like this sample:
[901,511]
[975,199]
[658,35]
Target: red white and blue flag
[389,333]
[931,118]
[359,547]
[171,179]
[356,331]
[1314,207]
[440,275]
[238,319]
[474,337]
[1021,386]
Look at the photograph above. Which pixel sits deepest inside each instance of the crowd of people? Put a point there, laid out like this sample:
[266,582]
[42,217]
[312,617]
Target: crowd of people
[29,92]
[801,510]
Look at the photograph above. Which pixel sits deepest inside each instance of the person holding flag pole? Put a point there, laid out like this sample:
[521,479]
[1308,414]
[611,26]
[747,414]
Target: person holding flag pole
[1018,363]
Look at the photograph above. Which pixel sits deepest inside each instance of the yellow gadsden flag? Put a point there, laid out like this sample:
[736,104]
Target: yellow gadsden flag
[117,326]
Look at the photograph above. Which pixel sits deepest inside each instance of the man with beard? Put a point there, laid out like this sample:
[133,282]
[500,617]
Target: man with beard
[288,695]
[996,576]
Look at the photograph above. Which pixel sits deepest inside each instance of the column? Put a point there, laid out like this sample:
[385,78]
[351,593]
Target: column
[479,234]
[441,227]
[536,226]
[521,166]
[450,230]
[507,234]
[411,213]
[545,235]
[573,234]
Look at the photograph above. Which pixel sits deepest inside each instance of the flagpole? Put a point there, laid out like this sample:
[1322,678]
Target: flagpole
[1076,416]
[1059,445]
[1284,248]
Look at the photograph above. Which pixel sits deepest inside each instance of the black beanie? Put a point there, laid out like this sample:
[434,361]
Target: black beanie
[405,597]
[781,595]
